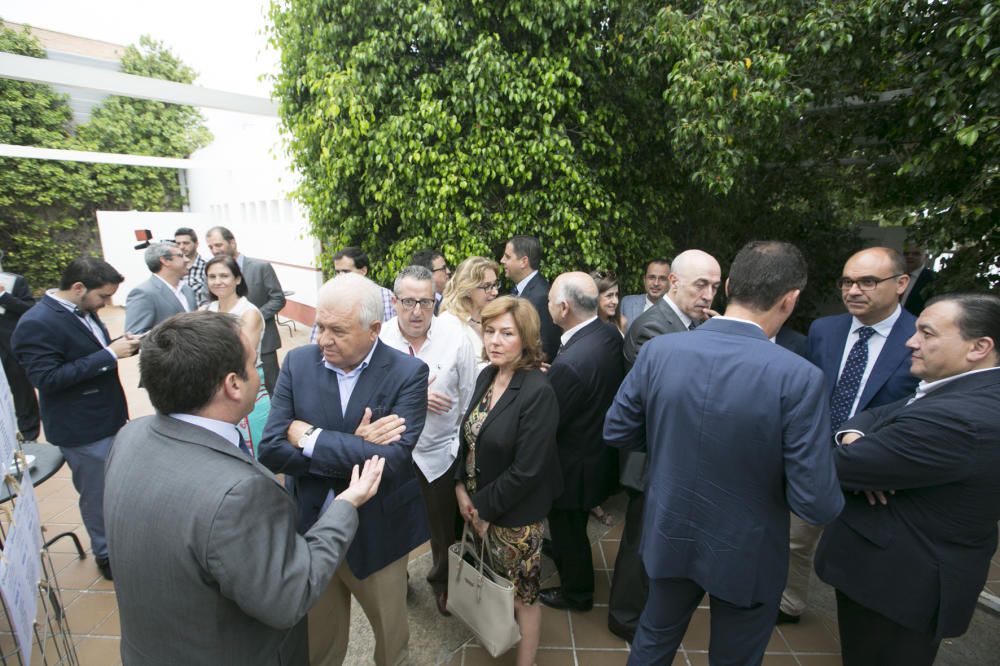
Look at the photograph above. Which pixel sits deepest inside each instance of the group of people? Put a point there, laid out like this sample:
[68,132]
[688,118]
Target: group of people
[441,402]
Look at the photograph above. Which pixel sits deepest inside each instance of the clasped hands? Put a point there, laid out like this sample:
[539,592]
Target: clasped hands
[386,430]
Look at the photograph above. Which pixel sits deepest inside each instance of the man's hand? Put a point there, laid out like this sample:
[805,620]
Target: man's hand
[878,496]
[296,430]
[125,346]
[849,438]
[364,484]
[386,430]
[437,403]
[709,313]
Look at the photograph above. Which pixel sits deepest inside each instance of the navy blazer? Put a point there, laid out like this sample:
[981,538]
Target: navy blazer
[394,521]
[537,292]
[890,378]
[922,559]
[517,471]
[80,396]
[737,432]
[585,376]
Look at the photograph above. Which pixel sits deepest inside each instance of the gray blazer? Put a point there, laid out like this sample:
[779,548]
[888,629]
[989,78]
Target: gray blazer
[208,566]
[632,307]
[655,321]
[152,302]
[265,292]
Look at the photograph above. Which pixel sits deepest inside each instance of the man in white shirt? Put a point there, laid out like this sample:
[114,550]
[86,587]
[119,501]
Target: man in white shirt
[864,357]
[164,294]
[448,353]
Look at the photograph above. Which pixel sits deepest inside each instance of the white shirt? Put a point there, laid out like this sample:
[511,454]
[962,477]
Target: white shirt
[226,431]
[450,357]
[875,345]
[648,303]
[925,387]
[524,283]
[87,320]
[568,335]
[680,315]
[178,292]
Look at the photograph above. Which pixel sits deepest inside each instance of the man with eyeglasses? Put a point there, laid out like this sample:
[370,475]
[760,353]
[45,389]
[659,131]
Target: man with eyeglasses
[442,344]
[435,262]
[164,294]
[864,357]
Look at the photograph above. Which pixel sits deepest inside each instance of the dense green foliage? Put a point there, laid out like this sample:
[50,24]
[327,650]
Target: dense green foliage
[621,129]
[47,208]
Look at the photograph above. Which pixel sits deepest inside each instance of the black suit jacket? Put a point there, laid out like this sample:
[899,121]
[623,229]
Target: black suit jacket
[16,302]
[81,398]
[922,559]
[517,471]
[537,292]
[918,296]
[585,375]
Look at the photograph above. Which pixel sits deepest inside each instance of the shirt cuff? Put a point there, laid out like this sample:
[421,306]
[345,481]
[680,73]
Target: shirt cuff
[308,443]
[841,433]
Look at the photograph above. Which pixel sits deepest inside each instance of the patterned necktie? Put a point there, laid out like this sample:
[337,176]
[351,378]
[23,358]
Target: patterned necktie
[850,379]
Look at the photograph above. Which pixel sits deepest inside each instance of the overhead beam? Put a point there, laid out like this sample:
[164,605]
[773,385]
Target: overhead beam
[43,70]
[36,153]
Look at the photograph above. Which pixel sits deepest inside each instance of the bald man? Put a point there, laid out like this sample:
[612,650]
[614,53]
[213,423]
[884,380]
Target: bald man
[694,280]
[585,374]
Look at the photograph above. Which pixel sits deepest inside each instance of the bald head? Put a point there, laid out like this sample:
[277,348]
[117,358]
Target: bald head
[573,299]
[694,279]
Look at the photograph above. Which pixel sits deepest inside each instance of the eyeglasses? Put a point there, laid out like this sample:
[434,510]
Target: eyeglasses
[447,271]
[867,283]
[410,303]
[490,286]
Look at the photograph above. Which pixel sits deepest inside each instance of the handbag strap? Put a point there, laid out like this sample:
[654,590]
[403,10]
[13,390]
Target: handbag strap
[466,535]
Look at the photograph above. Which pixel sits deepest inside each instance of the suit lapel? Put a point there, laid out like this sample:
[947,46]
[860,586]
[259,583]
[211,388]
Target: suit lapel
[505,400]
[328,387]
[673,322]
[893,353]
[582,334]
[368,383]
[77,322]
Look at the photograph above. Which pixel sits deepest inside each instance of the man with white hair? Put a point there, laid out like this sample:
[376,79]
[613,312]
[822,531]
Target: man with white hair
[164,294]
[338,403]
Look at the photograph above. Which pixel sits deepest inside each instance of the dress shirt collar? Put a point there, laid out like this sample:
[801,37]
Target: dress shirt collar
[648,304]
[883,327]
[524,283]
[51,293]
[568,335]
[741,320]
[677,311]
[356,371]
[227,431]
[924,387]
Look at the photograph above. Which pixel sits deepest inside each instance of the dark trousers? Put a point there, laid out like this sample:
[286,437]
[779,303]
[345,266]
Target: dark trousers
[571,554]
[269,363]
[25,400]
[738,635]
[629,584]
[442,509]
[870,638]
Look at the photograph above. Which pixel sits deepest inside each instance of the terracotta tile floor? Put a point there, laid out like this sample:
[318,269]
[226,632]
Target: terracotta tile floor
[571,639]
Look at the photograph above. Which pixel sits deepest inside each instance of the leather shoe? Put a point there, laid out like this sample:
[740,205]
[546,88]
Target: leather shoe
[104,566]
[621,631]
[442,603]
[787,618]
[553,598]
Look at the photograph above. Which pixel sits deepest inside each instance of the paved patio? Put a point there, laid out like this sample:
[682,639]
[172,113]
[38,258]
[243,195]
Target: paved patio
[568,639]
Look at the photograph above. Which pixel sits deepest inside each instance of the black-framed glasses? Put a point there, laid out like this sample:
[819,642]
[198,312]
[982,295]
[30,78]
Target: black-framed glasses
[410,303]
[447,271]
[489,286]
[866,283]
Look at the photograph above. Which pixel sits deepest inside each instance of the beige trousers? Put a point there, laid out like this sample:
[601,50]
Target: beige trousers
[802,540]
[382,597]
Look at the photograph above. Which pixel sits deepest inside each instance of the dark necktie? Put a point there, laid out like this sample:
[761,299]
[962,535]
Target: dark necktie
[850,379]
[243,445]
[692,326]
[513,290]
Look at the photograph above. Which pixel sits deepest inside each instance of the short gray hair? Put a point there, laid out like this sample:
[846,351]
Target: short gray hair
[570,290]
[154,252]
[354,289]
[414,272]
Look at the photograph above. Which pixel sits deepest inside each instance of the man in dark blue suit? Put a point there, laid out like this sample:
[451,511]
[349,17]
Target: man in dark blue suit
[338,403]
[865,361]
[908,568]
[736,430]
[71,359]
[522,257]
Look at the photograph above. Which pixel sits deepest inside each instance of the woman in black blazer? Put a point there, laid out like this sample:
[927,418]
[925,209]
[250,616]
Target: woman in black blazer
[507,470]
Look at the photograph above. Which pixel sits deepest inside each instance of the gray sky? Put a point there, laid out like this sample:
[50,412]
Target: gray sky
[222,39]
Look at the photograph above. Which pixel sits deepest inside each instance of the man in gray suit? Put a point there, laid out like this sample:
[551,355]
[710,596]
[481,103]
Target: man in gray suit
[694,280]
[208,566]
[164,294]
[264,291]
[656,280]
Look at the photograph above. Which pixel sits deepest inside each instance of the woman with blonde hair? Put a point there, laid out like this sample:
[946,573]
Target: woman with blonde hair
[507,471]
[474,283]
